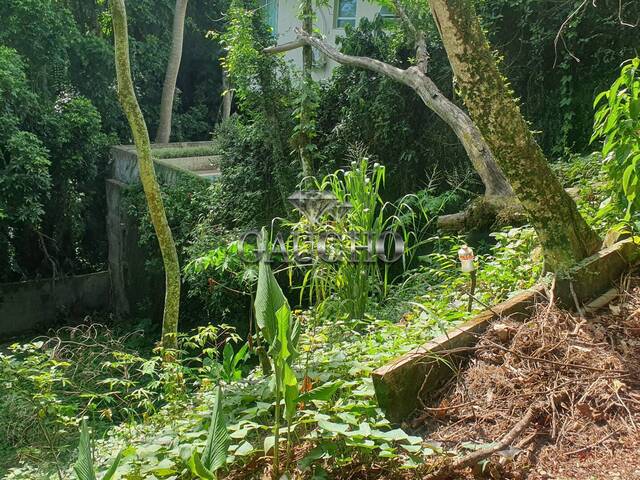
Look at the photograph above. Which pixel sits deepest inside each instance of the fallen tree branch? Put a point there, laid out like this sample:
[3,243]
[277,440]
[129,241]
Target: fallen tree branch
[284,47]
[414,77]
[475,457]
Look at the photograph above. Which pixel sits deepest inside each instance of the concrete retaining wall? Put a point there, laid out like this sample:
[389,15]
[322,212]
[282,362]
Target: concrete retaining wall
[132,286]
[25,306]
[402,383]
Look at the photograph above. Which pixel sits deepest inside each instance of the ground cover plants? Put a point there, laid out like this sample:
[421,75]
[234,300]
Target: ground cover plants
[262,365]
[335,359]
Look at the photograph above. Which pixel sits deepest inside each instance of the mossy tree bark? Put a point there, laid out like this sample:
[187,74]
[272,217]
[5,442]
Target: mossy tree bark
[565,236]
[305,117]
[171,76]
[131,108]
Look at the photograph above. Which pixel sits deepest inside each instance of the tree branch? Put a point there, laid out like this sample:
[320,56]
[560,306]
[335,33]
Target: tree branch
[415,78]
[422,55]
[285,47]
[479,455]
[364,62]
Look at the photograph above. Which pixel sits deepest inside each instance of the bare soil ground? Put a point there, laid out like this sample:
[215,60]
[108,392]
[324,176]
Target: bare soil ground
[563,388]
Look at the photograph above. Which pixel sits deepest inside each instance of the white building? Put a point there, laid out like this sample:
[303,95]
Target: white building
[282,16]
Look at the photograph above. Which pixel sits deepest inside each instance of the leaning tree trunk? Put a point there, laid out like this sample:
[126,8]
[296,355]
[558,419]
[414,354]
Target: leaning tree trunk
[131,108]
[227,96]
[171,76]
[565,236]
[305,117]
[478,151]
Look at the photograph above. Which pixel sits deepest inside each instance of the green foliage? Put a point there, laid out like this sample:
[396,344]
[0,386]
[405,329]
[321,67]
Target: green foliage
[258,171]
[348,284]
[180,152]
[243,58]
[617,123]
[88,371]
[51,158]
[335,413]
[24,180]
[281,333]
[361,107]
[231,361]
[84,465]
[214,455]
[556,80]
[194,213]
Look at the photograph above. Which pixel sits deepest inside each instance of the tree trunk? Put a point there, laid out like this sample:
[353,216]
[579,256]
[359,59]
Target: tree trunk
[474,144]
[227,96]
[307,27]
[307,65]
[171,75]
[468,134]
[565,236]
[131,108]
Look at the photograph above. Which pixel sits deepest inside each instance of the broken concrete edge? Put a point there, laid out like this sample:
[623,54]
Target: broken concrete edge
[596,274]
[401,384]
[167,169]
[422,370]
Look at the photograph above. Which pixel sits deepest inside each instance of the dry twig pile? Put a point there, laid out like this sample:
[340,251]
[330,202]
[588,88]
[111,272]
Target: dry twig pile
[574,380]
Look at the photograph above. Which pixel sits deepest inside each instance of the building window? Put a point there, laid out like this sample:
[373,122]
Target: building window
[387,13]
[345,13]
[270,12]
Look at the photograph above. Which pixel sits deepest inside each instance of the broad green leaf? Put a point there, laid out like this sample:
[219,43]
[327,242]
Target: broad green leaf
[198,469]
[283,319]
[215,450]
[244,449]
[268,444]
[333,427]
[227,357]
[391,435]
[323,392]
[84,465]
[269,299]
[112,469]
[240,355]
[290,391]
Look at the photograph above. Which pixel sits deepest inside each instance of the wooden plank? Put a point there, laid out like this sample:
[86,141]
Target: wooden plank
[423,370]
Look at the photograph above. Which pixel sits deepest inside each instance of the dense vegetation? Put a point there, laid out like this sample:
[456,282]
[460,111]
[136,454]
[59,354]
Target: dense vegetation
[272,371]
[60,114]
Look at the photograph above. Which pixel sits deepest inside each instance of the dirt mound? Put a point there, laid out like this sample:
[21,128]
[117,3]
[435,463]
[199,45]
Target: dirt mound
[563,389]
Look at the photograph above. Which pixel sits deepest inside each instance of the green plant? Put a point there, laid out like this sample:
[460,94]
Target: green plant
[231,362]
[199,151]
[83,467]
[617,123]
[344,279]
[281,333]
[214,455]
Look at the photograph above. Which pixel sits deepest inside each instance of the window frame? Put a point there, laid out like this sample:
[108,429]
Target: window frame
[388,15]
[348,20]
[270,13]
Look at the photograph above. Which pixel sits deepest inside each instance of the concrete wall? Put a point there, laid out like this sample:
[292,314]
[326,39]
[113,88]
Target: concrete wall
[131,284]
[124,164]
[287,21]
[25,306]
